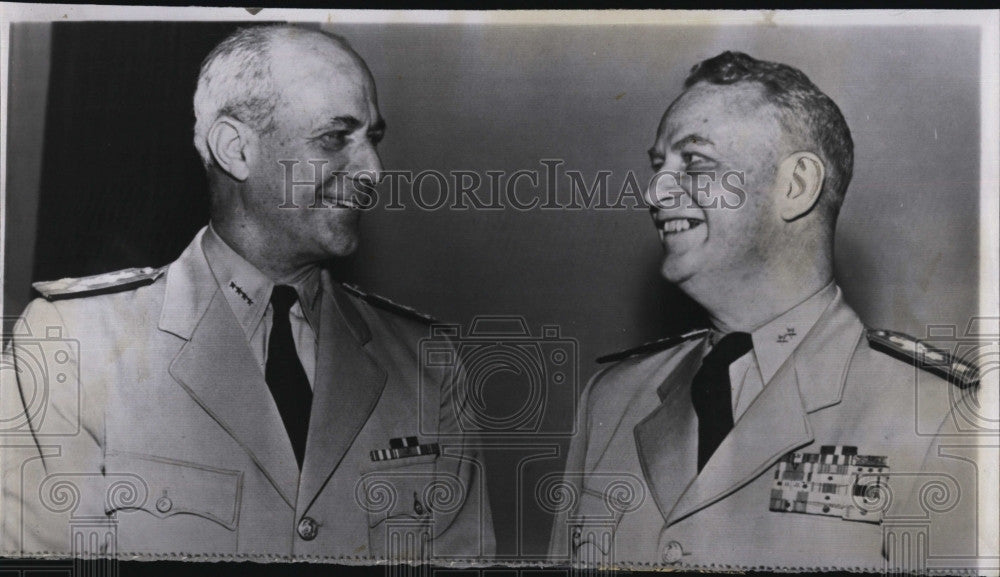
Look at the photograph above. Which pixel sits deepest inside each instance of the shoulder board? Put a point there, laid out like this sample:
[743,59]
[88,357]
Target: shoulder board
[98,284]
[653,346]
[933,360]
[389,305]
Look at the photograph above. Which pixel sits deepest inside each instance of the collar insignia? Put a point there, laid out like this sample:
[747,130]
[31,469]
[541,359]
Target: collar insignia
[239,290]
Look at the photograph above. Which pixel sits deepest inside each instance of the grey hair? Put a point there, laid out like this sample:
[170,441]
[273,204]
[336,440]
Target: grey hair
[235,80]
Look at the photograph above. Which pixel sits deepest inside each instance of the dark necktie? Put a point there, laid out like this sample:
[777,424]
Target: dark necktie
[711,393]
[284,373]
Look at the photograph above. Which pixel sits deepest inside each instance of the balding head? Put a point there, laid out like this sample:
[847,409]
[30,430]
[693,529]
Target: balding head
[237,78]
[277,107]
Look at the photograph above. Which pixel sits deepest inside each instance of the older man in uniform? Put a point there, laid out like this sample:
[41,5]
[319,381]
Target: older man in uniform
[238,403]
[786,435]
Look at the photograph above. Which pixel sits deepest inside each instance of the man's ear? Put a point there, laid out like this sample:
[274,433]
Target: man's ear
[799,183]
[230,141]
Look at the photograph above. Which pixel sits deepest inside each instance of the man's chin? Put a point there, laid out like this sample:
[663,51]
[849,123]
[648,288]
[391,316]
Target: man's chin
[338,242]
[341,237]
[342,248]
[676,271]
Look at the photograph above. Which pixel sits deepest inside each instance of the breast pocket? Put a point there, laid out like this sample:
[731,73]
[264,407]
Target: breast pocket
[603,501]
[408,503]
[166,505]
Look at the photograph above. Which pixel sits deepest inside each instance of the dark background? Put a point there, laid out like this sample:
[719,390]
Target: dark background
[102,175]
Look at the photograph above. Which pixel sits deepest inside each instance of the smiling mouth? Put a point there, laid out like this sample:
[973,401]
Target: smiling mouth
[674,226]
[341,202]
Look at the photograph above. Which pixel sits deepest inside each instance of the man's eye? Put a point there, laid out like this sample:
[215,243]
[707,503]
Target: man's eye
[334,139]
[695,160]
[376,137]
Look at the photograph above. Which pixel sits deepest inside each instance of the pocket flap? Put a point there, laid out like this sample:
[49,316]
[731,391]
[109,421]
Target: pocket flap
[415,488]
[167,487]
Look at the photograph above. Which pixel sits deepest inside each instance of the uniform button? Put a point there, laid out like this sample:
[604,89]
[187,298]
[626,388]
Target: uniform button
[673,552]
[164,504]
[307,528]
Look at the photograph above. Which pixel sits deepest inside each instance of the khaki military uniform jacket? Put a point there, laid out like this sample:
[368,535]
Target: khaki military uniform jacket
[140,423]
[632,496]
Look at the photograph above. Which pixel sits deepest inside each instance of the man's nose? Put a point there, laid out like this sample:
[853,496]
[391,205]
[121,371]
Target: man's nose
[666,190]
[365,163]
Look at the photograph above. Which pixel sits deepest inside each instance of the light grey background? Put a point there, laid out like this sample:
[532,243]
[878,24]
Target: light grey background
[480,98]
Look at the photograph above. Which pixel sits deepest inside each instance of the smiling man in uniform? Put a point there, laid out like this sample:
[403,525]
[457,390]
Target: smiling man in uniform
[239,403]
[786,435]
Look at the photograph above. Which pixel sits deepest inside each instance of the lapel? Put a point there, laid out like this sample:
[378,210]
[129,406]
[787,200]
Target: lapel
[667,440]
[772,426]
[219,371]
[777,422]
[348,384]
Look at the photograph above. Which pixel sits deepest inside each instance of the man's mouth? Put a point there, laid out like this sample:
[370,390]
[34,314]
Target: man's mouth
[338,194]
[341,202]
[674,226]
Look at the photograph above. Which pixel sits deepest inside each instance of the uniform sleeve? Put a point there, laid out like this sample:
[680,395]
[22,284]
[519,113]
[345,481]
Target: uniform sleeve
[934,523]
[50,447]
[565,502]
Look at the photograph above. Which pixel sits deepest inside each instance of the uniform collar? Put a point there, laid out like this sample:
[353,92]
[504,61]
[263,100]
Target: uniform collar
[248,290]
[811,378]
[191,286]
[776,340]
[822,360]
